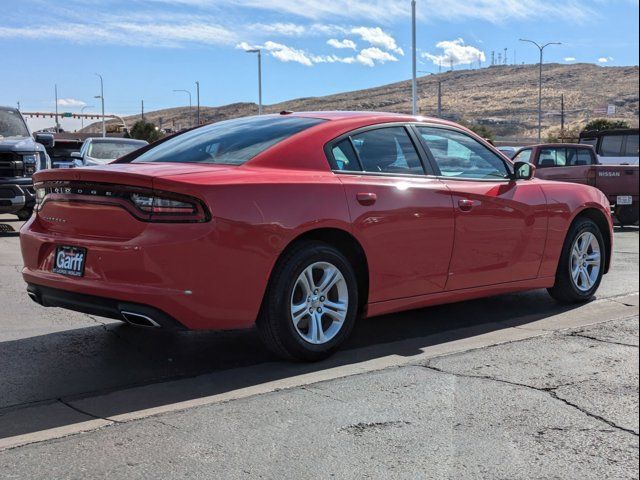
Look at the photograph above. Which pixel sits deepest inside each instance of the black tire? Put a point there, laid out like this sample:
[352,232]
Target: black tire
[565,290]
[24,214]
[627,214]
[275,323]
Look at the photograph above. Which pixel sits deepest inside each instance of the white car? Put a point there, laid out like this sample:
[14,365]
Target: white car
[99,151]
[614,147]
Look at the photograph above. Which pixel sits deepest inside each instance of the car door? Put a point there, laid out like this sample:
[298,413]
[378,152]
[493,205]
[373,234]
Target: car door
[564,164]
[403,218]
[500,224]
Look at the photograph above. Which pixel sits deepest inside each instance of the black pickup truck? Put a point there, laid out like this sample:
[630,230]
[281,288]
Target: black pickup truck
[20,157]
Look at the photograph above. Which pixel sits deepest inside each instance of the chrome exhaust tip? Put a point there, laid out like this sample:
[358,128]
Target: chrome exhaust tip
[139,320]
[33,296]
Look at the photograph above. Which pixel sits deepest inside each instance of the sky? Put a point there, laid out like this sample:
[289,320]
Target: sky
[145,49]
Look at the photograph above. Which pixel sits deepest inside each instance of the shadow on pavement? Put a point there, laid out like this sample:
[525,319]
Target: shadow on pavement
[74,364]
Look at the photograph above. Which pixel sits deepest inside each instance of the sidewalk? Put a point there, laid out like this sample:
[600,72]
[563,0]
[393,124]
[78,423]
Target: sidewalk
[559,405]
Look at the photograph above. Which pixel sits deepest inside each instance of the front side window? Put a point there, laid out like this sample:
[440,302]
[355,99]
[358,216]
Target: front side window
[523,156]
[12,125]
[460,156]
[387,150]
[231,142]
[611,145]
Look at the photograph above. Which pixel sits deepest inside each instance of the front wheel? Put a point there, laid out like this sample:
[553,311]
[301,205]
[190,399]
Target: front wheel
[581,263]
[311,303]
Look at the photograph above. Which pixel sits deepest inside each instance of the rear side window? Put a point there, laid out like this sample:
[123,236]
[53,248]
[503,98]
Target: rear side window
[344,157]
[611,146]
[387,150]
[552,157]
[631,147]
[231,142]
[584,157]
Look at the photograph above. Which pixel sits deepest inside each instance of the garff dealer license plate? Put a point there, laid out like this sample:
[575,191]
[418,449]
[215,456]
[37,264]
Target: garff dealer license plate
[69,261]
[624,200]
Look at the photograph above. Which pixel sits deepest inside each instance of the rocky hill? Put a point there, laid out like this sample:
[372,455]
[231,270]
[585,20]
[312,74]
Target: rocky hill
[504,98]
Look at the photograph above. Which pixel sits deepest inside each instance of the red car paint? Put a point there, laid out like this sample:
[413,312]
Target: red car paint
[427,240]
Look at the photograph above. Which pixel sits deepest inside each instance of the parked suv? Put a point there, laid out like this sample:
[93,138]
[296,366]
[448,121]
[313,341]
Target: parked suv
[20,157]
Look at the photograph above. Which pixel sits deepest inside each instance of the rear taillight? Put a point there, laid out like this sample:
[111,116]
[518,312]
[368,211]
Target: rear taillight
[143,203]
[164,206]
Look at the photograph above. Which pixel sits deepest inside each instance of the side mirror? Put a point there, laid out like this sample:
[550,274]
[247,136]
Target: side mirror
[76,155]
[523,171]
[45,139]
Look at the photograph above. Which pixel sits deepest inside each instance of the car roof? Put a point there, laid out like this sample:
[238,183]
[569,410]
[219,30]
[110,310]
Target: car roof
[375,117]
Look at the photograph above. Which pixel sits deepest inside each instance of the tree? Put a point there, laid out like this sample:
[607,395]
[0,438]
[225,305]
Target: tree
[143,130]
[482,131]
[605,124]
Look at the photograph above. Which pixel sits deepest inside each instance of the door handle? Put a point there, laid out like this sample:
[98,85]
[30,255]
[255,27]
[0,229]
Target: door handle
[466,205]
[366,198]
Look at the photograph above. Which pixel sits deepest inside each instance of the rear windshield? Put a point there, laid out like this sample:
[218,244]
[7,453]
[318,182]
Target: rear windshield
[111,151]
[231,142]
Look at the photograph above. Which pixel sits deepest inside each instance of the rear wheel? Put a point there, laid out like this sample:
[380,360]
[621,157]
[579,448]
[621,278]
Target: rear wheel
[311,304]
[627,214]
[581,264]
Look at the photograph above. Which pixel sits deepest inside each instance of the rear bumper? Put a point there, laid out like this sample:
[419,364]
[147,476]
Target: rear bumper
[16,196]
[134,313]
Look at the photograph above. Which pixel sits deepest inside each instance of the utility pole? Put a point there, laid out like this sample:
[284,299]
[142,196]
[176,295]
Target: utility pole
[197,102]
[55,89]
[562,115]
[440,99]
[505,57]
[259,52]
[101,97]
[18,105]
[541,48]
[142,110]
[414,82]
[493,58]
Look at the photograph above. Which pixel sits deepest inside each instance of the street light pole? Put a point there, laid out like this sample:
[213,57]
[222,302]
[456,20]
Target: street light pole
[414,81]
[541,48]
[259,52]
[55,89]
[82,118]
[101,97]
[198,102]
[190,104]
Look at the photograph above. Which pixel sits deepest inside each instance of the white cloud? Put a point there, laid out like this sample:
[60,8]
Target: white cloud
[605,59]
[378,38]
[70,102]
[285,53]
[570,59]
[284,29]
[346,43]
[371,56]
[455,52]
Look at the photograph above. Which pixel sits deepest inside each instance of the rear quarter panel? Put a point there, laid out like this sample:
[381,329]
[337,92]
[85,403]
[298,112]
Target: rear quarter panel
[255,215]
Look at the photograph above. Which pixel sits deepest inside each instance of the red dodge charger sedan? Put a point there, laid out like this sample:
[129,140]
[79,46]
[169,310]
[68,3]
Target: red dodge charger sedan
[301,223]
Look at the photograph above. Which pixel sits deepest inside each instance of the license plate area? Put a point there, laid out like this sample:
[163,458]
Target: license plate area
[624,200]
[69,261]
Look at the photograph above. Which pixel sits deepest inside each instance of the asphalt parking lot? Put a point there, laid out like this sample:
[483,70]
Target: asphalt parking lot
[553,389]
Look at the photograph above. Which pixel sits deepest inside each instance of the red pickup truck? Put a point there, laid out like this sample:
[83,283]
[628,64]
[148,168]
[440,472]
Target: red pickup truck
[578,163]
